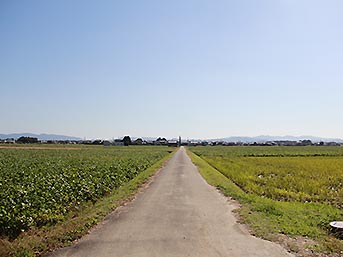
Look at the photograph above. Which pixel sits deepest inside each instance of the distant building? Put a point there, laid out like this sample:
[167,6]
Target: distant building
[332,144]
[161,141]
[138,141]
[86,142]
[286,143]
[118,142]
[106,143]
[174,143]
[9,141]
[305,142]
[97,142]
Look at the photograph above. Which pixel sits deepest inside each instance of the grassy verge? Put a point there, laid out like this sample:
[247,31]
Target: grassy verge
[78,222]
[301,227]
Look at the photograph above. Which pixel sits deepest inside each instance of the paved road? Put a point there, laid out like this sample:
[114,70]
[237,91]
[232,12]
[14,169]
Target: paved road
[178,215]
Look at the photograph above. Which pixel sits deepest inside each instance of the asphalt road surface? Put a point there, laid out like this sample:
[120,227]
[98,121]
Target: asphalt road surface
[178,215]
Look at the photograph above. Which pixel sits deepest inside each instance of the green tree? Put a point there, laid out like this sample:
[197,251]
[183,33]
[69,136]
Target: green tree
[127,141]
[27,140]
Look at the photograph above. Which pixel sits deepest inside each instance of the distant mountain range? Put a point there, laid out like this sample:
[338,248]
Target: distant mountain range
[266,138]
[259,139]
[39,136]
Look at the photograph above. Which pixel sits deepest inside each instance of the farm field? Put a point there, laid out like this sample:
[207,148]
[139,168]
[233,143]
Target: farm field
[305,174]
[267,151]
[295,191]
[39,187]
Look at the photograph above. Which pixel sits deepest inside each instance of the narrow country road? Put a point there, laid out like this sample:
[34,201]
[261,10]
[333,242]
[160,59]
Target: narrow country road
[178,215]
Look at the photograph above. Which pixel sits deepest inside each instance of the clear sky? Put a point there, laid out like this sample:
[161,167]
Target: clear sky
[199,69]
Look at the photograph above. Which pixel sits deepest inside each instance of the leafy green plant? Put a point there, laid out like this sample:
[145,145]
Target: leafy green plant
[39,187]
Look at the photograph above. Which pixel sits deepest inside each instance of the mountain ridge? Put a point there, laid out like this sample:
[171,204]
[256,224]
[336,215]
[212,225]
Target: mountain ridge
[244,139]
[265,138]
[42,136]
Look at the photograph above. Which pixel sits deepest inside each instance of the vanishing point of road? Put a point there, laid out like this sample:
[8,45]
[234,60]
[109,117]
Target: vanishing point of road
[178,215]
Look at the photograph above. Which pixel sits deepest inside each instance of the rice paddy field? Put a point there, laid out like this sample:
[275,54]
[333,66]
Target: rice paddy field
[305,174]
[294,191]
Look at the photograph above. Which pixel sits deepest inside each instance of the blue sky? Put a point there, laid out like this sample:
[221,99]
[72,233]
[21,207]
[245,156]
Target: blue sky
[199,69]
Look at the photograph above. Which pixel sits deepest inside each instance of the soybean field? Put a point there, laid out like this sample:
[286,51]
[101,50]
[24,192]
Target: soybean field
[41,186]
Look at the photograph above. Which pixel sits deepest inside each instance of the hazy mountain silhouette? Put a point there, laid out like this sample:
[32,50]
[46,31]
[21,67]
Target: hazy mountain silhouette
[264,138]
[39,136]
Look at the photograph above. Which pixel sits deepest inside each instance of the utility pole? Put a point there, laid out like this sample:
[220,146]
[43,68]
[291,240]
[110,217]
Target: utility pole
[179,143]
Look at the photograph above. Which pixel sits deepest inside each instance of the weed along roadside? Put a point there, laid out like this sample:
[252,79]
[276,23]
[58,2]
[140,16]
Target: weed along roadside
[301,226]
[37,240]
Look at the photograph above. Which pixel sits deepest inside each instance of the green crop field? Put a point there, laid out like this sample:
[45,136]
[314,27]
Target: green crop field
[281,173]
[268,151]
[40,186]
[295,191]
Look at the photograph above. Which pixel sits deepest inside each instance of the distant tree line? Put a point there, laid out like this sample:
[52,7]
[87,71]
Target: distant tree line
[27,140]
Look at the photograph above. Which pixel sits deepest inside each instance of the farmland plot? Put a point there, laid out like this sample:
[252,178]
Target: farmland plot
[39,187]
[293,191]
[305,174]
